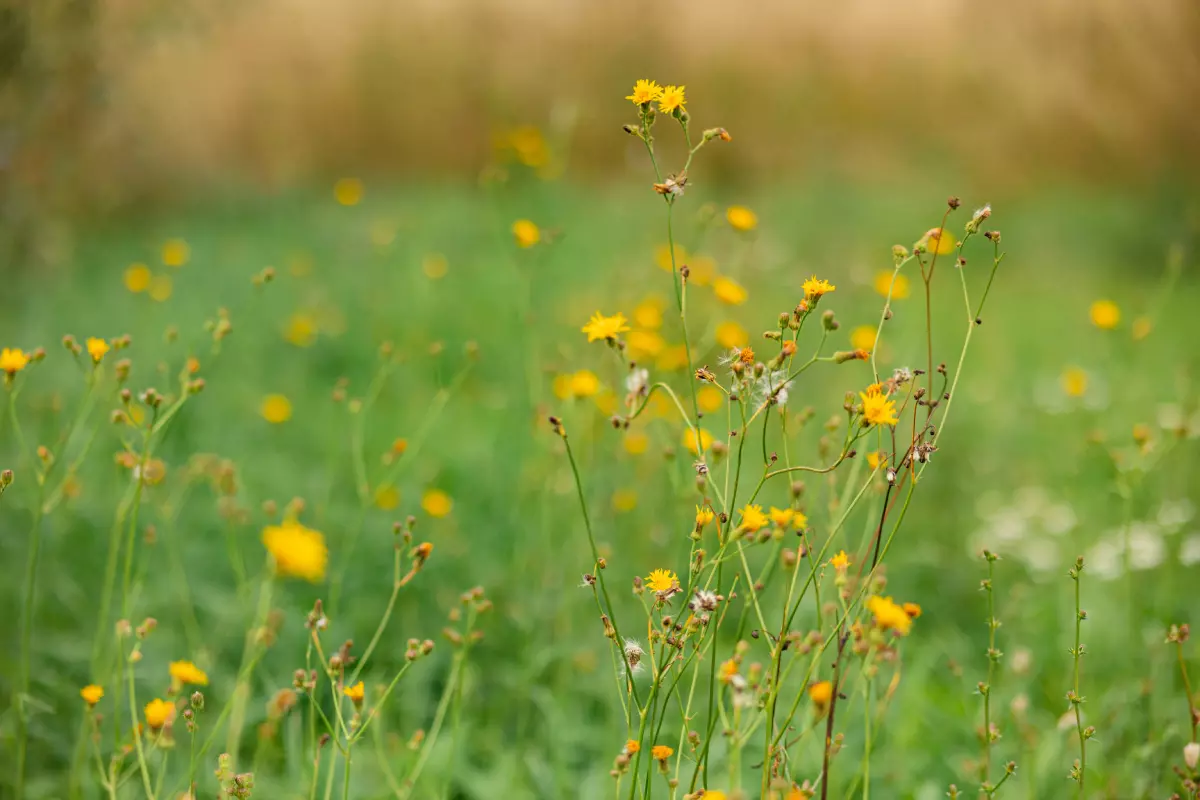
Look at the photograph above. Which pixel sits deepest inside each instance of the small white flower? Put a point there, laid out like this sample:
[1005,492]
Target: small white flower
[1191,754]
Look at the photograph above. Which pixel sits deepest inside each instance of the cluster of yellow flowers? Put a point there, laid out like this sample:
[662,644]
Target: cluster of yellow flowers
[670,98]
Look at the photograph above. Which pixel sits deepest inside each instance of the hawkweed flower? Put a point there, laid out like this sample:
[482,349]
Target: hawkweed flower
[276,409]
[158,713]
[436,503]
[912,609]
[661,753]
[782,517]
[888,615]
[632,746]
[877,409]
[815,288]
[96,349]
[91,694]
[741,218]
[696,447]
[753,519]
[13,360]
[704,515]
[645,92]
[525,233]
[606,328]
[185,672]
[889,281]
[299,552]
[1105,314]
[821,693]
[840,562]
[671,99]
[356,693]
[729,291]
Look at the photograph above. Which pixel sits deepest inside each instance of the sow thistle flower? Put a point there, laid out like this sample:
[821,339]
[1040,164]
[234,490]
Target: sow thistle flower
[1105,314]
[91,694]
[704,515]
[814,288]
[526,233]
[671,99]
[753,519]
[662,752]
[645,92]
[661,580]
[13,361]
[185,672]
[96,349]
[889,616]
[877,408]
[356,693]
[741,218]
[298,551]
[606,328]
[158,713]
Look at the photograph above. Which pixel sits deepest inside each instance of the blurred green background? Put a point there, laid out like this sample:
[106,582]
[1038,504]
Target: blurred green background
[375,156]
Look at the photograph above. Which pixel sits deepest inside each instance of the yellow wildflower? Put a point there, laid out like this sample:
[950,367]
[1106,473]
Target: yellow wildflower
[137,278]
[298,551]
[704,515]
[815,288]
[187,672]
[276,408]
[644,344]
[632,746]
[96,348]
[672,99]
[877,408]
[820,693]
[661,580]
[729,291]
[648,313]
[602,327]
[863,338]
[715,794]
[348,191]
[1074,382]
[301,329]
[91,694]
[753,518]
[876,459]
[624,500]
[644,93]
[175,252]
[526,233]
[584,383]
[889,281]
[703,271]
[741,218]
[730,334]
[841,561]
[782,517]
[689,440]
[436,503]
[662,257]
[662,752]
[710,399]
[938,241]
[387,497]
[356,693]
[888,615]
[158,713]
[636,443]
[161,288]
[435,266]
[13,360]
[912,609]
[728,670]
[672,357]
[1105,314]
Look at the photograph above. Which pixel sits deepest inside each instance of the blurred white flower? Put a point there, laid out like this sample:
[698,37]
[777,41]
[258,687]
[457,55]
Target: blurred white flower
[1031,500]
[1146,549]
[1174,514]
[1058,519]
[1189,550]
[1104,561]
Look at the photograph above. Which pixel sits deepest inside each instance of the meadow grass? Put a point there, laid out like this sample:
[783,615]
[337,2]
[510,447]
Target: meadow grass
[410,313]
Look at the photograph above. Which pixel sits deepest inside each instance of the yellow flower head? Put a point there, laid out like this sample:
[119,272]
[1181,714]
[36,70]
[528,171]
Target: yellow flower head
[301,329]
[632,746]
[937,240]
[435,266]
[96,349]
[525,233]
[753,518]
[876,459]
[877,408]
[636,443]
[888,280]
[661,580]
[912,609]
[644,344]
[137,278]
[348,191]
[728,670]
[649,312]
[814,288]
[161,288]
[1105,314]
[863,338]
[186,672]
[175,252]
[715,794]
[662,752]
[1074,382]
[436,503]
[276,409]
[158,713]
[672,99]
[704,515]
[624,500]
[782,517]
[607,328]
[91,694]
[584,383]
[387,497]
[356,692]
[644,93]
[729,291]
[689,440]
[741,218]
[667,259]
[299,552]
[820,693]
[13,360]
[888,615]
[841,561]
[673,357]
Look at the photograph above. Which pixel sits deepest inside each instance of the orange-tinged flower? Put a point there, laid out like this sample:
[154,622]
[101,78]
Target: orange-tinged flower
[888,615]
[525,233]
[356,692]
[91,694]
[662,752]
[187,672]
[158,713]
[820,693]
[298,551]
[741,218]
[704,515]
[912,609]
[632,746]
[661,580]
[607,328]
[815,287]
[841,561]
[436,503]
[782,517]
[645,92]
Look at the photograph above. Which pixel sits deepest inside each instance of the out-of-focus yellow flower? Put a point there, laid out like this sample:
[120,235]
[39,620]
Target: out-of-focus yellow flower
[175,252]
[387,497]
[753,518]
[863,337]
[1105,314]
[710,399]
[436,503]
[602,327]
[644,344]
[672,358]
[383,232]
[529,145]
[888,615]
[899,288]
[672,99]
[820,693]
[730,334]
[584,383]
[606,401]
[703,271]
[185,672]
[662,752]
[137,278]
[276,408]
[624,500]
[526,233]
[1074,382]
[301,329]
[938,241]
[348,191]
[876,459]
[158,713]
[96,348]
[689,440]
[91,694]
[782,517]
[704,515]
[356,693]
[645,92]
[161,288]
[729,291]
[741,218]
[636,443]
[649,312]
[1142,326]
[662,257]
[13,360]
[840,562]
[912,609]
[298,551]
[435,266]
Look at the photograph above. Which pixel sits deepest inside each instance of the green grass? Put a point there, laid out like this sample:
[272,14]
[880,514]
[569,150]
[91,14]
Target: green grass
[538,713]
